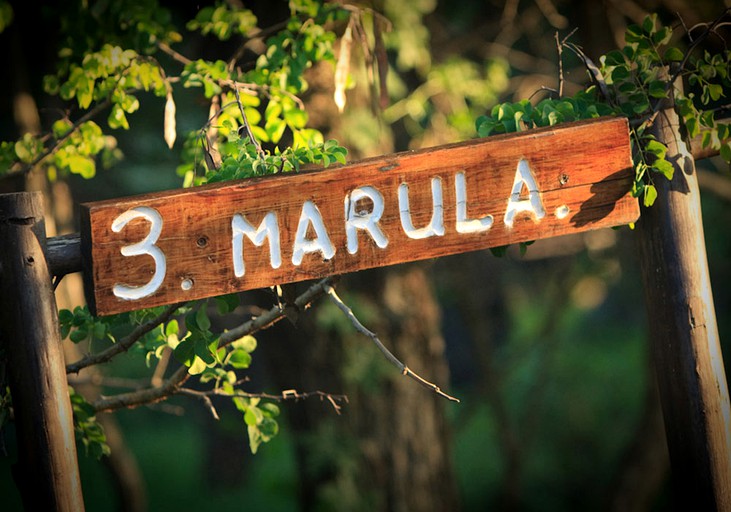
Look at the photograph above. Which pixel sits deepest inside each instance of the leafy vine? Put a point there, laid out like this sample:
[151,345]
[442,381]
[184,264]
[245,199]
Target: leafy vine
[637,82]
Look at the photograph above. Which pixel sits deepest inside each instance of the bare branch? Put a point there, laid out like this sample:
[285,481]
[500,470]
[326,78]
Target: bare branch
[172,53]
[694,44]
[405,370]
[274,314]
[145,396]
[249,133]
[174,384]
[204,398]
[286,395]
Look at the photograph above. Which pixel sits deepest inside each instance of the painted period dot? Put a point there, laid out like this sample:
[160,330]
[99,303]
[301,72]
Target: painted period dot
[562,211]
[186,284]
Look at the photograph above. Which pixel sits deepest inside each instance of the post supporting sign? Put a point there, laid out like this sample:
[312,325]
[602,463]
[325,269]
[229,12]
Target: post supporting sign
[167,247]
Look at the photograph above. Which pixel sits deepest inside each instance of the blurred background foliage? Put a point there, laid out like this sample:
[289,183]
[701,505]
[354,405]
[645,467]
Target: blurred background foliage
[547,350]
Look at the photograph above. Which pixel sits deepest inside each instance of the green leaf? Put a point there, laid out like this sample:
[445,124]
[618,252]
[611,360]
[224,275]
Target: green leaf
[275,129]
[725,152]
[499,251]
[247,343]
[640,104]
[205,349]
[255,439]
[270,409]
[648,24]
[197,367]
[185,352]
[117,118]
[662,36]
[664,167]
[239,359]
[296,118]
[79,335]
[252,416]
[202,320]
[227,303]
[614,58]
[692,126]
[28,148]
[172,328]
[673,54]
[657,148]
[81,165]
[657,89]
[61,127]
[650,195]
[715,91]
[268,429]
[633,34]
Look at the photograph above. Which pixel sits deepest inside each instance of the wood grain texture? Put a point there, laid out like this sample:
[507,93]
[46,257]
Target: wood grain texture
[684,334]
[47,472]
[584,166]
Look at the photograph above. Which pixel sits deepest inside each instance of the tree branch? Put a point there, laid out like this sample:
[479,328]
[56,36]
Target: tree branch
[125,343]
[174,384]
[289,394]
[146,396]
[405,370]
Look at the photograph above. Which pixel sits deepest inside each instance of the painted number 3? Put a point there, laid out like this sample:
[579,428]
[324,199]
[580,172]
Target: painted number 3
[146,246]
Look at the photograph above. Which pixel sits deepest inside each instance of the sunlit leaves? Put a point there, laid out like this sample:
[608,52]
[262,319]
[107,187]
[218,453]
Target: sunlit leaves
[259,419]
[638,83]
[522,115]
[28,148]
[244,161]
[199,349]
[223,21]
[209,75]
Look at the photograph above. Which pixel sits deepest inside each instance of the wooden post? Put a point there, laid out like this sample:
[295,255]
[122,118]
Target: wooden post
[47,472]
[684,333]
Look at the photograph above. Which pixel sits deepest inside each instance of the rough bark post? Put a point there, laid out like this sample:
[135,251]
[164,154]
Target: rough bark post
[47,472]
[684,333]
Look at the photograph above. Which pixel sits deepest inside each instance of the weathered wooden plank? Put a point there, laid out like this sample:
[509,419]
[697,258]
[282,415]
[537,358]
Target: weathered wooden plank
[488,192]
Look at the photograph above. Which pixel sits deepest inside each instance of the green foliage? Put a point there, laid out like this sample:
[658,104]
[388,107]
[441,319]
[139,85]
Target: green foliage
[6,15]
[104,74]
[259,419]
[80,325]
[636,82]
[86,427]
[110,79]
[222,21]
[244,161]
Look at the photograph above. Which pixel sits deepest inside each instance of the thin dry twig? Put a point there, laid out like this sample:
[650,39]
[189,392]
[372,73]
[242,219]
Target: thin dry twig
[286,395]
[247,126]
[204,398]
[559,49]
[405,370]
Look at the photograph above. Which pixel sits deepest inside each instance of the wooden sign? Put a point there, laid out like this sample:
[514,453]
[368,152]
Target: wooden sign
[189,244]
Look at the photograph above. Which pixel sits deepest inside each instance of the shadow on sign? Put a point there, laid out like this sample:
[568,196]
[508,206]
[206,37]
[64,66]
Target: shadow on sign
[605,195]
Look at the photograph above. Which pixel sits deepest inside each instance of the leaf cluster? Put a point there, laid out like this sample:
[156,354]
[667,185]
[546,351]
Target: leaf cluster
[637,82]
[88,431]
[244,161]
